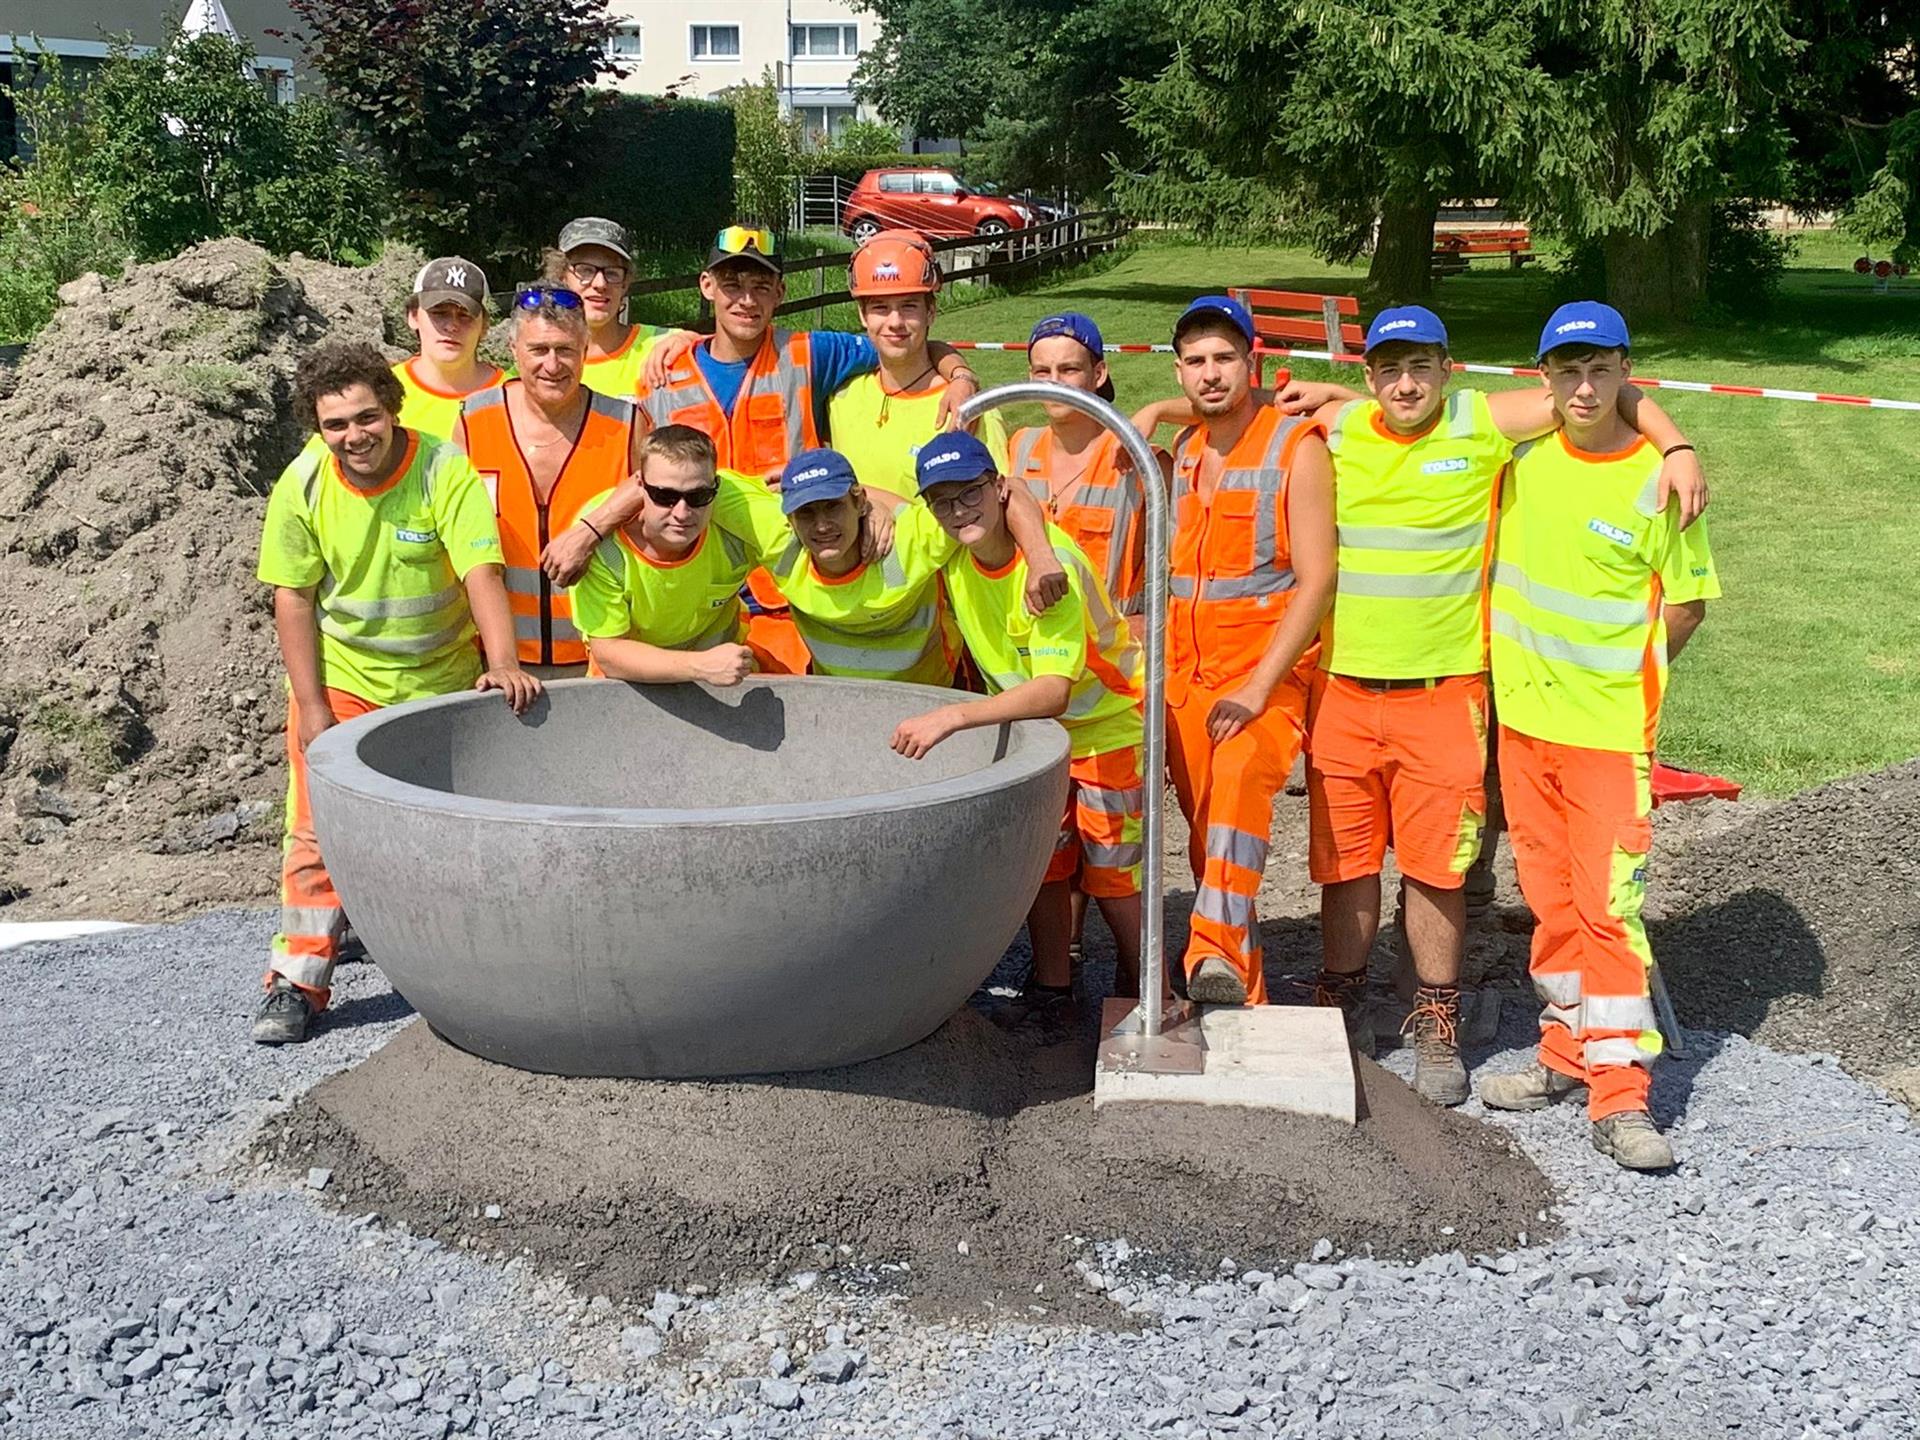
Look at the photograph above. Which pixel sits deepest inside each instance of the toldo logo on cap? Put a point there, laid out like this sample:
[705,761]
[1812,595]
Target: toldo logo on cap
[1400,325]
[1565,325]
[944,457]
[819,472]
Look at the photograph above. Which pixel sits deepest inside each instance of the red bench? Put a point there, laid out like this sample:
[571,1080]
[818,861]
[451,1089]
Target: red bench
[1453,248]
[1285,319]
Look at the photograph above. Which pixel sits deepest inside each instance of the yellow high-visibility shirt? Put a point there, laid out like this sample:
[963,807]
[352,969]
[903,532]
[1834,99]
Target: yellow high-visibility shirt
[881,621]
[692,603]
[1415,514]
[617,376]
[1582,566]
[881,434]
[387,566]
[1083,636]
[431,412]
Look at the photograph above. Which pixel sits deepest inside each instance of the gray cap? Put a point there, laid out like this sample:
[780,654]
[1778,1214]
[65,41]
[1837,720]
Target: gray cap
[592,230]
[451,281]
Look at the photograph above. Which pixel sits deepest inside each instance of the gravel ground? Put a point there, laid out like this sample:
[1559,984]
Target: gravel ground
[1771,1287]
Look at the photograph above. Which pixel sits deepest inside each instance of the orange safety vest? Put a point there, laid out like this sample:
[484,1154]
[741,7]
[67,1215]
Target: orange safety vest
[1105,513]
[772,418]
[1230,575]
[543,612]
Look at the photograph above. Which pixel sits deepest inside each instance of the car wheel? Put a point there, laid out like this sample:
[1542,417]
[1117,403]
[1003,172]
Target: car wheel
[864,229]
[992,229]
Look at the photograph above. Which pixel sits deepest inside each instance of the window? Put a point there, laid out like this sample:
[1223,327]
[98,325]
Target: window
[897,184]
[624,42]
[825,42]
[822,123]
[937,182]
[714,42]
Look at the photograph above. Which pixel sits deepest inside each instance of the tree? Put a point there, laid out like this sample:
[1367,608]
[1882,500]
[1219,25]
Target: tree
[768,153]
[1032,86]
[476,110]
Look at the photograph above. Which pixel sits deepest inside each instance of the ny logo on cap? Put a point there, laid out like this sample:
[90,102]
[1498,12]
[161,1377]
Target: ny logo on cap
[457,276]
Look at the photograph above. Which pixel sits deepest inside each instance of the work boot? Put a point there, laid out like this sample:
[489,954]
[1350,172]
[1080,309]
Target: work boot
[351,950]
[1040,1012]
[1438,1074]
[1632,1141]
[1349,992]
[1534,1088]
[1215,982]
[283,1014]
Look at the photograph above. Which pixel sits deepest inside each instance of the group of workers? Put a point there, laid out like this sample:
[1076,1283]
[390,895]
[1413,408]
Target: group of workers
[1365,577]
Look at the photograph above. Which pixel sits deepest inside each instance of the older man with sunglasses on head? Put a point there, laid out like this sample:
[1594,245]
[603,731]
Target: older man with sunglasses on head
[759,392]
[545,445]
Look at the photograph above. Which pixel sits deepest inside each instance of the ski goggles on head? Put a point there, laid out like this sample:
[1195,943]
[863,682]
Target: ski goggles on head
[532,297]
[745,242]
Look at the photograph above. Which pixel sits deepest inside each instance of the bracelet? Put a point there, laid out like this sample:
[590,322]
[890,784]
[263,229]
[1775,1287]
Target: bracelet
[1675,449]
[598,536]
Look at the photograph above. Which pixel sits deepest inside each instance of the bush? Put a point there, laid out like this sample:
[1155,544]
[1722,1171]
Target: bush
[667,173]
[1745,259]
[865,137]
[768,154]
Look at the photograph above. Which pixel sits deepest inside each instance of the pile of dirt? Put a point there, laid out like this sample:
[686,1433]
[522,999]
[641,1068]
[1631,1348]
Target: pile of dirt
[1801,926]
[973,1158]
[140,708]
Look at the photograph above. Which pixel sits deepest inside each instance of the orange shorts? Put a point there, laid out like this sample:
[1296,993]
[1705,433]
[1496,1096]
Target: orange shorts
[1406,767]
[1099,844]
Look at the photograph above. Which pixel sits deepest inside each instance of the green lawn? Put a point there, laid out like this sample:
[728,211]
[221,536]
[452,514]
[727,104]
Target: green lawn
[1809,668]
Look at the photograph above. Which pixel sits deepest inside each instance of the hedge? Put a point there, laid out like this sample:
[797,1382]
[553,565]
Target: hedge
[666,171]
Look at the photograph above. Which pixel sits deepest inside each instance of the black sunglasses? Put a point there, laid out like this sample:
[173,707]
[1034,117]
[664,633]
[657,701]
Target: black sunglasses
[667,499]
[532,297]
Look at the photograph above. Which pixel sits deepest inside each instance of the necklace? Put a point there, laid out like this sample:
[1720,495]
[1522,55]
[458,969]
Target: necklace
[886,395]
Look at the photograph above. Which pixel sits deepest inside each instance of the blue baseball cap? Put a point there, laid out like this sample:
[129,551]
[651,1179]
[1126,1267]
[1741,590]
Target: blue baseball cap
[1408,324]
[1224,305]
[815,475]
[950,456]
[1072,325]
[1585,322]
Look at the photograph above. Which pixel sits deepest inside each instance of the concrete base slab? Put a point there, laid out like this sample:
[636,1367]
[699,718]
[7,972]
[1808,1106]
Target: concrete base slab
[1266,1057]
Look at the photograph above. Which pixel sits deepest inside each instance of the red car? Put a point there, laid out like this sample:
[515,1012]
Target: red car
[934,202]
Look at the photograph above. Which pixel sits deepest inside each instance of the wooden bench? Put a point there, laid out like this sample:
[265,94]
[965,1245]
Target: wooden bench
[1285,319]
[1452,249]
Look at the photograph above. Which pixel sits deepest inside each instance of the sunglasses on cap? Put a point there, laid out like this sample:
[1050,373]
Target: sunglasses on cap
[739,239]
[532,297]
[696,499]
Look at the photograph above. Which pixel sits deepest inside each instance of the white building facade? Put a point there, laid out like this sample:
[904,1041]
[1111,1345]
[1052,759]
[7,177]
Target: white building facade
[699,48]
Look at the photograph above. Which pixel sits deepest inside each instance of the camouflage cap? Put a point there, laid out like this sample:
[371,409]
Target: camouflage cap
[592,230]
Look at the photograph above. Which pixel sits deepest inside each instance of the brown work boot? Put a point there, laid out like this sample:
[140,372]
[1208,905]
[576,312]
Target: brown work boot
[1349,992]
[1215,982]
[1438,1072]
[1632,1141]
[1534,1088]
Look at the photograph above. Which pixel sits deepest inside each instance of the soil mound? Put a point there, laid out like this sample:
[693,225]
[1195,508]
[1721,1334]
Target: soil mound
[969,1137]
[1801,926]
[139,436]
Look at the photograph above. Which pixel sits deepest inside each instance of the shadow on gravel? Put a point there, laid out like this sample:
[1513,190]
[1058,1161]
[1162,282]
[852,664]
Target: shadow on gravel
[1729,963]
[381,1009]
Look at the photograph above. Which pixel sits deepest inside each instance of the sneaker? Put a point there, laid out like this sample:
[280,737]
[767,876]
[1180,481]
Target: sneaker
[1040,1011]
[1215,982]
[1438,1073]
[1632,1141]
[283,1014]
[1534,1088]
[1349,992]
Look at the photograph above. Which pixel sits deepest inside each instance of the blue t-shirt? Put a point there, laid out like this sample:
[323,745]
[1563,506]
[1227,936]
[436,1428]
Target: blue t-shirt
[837,358]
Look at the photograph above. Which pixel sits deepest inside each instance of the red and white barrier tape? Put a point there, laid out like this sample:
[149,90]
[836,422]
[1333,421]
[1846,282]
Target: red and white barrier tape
[1758,392]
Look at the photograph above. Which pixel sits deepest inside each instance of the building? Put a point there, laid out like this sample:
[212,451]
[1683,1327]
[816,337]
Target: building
[700,48]
[82,32]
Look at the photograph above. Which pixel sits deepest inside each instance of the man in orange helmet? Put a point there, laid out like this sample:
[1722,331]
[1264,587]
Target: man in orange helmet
[879,420]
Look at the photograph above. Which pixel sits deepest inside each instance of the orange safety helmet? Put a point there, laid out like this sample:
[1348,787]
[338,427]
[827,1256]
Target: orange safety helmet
[894,262]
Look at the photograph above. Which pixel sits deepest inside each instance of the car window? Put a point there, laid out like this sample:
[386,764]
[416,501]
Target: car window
[899,184]
[935,183]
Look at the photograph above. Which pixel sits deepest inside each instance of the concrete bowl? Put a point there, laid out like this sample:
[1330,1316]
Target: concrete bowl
[675,881]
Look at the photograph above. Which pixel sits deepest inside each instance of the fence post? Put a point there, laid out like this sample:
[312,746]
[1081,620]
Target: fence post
[1330,317]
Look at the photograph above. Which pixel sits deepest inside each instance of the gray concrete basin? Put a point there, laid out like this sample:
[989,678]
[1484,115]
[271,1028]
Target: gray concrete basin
[676,881]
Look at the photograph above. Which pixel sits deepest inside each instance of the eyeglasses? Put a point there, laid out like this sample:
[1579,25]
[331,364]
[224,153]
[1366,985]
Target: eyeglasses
[696,499]
[532,297]
[739,239]
[961,501]
[584,271]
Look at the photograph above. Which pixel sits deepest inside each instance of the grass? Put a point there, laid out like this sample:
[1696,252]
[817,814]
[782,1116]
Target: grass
[1808,668]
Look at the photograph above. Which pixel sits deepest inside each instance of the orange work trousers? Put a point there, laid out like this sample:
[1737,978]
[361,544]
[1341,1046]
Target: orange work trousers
[311,920]
[1580,823]
[1226,792]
